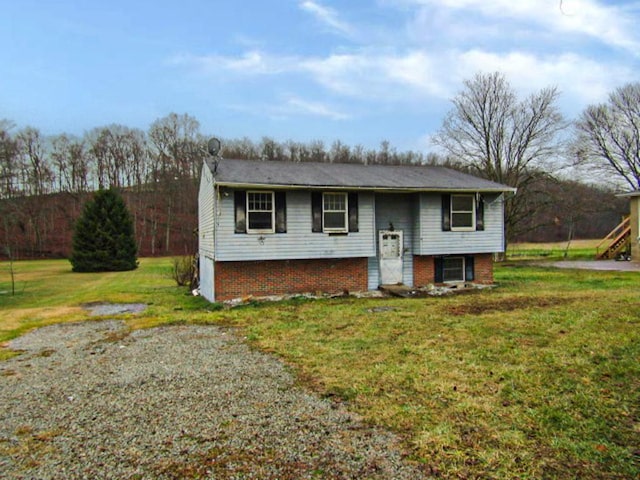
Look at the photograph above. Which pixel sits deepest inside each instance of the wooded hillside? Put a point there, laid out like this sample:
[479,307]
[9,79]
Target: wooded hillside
[44,182]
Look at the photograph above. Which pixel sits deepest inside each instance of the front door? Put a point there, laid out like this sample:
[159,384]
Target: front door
[390,253]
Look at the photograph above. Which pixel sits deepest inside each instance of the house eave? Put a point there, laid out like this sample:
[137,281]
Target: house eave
[276,186]
[635,193]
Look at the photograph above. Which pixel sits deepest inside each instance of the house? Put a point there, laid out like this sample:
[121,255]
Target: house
[634,223]
[272,227]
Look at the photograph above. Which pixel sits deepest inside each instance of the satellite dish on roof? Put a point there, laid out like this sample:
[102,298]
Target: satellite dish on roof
[213,146]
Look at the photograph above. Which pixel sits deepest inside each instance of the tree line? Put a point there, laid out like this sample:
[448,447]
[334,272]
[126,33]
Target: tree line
[172,148]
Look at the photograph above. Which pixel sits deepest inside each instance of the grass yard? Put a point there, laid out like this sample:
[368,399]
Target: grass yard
[578,250]
[539,378]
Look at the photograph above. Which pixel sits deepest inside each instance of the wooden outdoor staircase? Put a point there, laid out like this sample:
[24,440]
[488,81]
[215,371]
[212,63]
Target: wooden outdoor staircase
[616,242]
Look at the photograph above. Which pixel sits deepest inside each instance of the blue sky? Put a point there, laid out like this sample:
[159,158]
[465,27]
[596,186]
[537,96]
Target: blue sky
[359,71]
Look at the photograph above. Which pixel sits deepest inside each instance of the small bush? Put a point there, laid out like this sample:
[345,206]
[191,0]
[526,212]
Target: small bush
[183,271]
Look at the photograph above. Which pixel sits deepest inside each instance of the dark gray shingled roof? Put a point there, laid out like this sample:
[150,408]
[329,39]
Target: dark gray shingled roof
[345,175]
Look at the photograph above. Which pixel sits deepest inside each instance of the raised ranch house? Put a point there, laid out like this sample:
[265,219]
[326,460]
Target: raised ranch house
[271,227]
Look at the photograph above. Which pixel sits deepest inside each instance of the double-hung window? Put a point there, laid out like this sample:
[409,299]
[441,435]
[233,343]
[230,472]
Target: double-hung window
[463,212]
[335,210]
[260,212]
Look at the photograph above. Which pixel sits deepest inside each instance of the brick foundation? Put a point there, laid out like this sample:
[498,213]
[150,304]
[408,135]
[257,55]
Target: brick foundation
[277,277]
[483,265]
[424,269]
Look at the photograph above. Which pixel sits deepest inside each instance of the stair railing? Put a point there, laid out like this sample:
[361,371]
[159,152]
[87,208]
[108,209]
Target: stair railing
[612,238]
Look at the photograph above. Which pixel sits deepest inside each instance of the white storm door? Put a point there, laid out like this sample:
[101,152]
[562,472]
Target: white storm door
[390,253]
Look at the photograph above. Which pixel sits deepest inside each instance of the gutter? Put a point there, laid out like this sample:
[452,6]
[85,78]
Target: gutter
[241,185]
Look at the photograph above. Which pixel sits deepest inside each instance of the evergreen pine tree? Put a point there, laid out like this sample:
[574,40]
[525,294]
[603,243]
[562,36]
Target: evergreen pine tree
[104,240]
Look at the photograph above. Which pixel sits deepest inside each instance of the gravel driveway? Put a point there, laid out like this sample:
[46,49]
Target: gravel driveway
[93,400]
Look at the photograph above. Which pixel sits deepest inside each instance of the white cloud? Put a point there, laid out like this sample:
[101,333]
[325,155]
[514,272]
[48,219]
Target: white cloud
[290,106]
[327,16]
[417,74]
[252,62]
[298,106]
[581,78]
[608,24]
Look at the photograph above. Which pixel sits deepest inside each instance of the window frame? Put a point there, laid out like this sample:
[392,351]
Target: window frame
[464,269]
[345,227]
[452,212]
[272,211]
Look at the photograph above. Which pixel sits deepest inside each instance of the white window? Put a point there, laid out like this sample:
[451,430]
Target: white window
[453,269]
[334,212]
[463,212]
[260,212]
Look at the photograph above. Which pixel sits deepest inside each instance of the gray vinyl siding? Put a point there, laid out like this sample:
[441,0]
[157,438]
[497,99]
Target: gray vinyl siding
[397,209]
[373,273]
[299,242]
[207,284]
[433,240]
[206,206]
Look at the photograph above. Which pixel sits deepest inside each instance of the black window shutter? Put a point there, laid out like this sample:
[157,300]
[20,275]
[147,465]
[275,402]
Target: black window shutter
[439,269]
[316,211]
[281,212]
[240,200]
[479,212]
[353,212]
[446,212]
[468,268]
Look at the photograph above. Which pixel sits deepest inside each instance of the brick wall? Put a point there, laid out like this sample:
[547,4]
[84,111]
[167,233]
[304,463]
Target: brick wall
[276,277]
[483,265]
[424,269]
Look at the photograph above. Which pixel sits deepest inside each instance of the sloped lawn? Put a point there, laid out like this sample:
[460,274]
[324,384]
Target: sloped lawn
[538,378]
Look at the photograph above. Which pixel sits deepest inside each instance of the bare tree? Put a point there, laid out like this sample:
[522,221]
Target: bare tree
[119,155]
[317,152]
[9,168]
[177,145]
[609,135]
[339,153]
[242,148]
[502,138]
[270,149]
[177,148]
[37,177]
[71,164]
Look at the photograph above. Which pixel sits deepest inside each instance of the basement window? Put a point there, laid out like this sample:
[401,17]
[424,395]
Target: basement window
[453,269]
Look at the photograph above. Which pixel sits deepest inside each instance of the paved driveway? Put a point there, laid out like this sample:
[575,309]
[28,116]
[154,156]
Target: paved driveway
[612,265]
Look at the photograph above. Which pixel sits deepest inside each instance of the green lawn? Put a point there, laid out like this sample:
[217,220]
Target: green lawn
[578,250]
[538,378]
